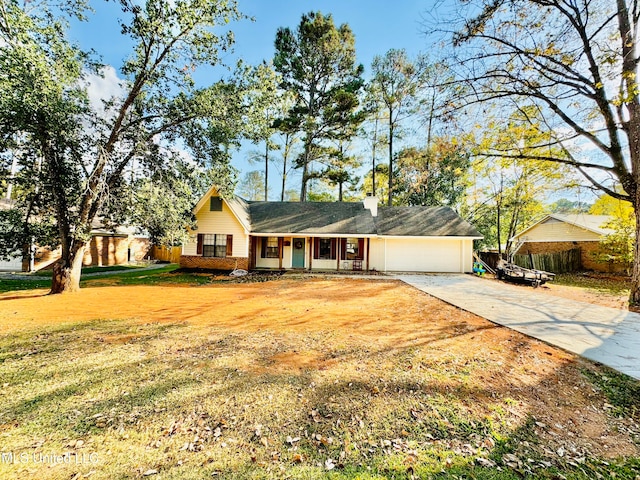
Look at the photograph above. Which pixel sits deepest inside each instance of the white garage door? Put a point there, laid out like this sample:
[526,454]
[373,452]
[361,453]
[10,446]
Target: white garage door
[13,265]
[424,255]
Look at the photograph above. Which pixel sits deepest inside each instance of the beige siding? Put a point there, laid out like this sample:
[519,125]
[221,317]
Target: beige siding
[13,265]
[319,264]
[467,255]
[376,254]
[422,255]
[223,222]
[554,230]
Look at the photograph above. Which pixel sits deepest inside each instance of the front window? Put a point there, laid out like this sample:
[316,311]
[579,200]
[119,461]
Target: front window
[214,245]
[353,249]
[270,247]
[326,249]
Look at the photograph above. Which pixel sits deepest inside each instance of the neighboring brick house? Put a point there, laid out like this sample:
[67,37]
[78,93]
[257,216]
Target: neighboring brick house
[116,246]
[327,236]
[558,233]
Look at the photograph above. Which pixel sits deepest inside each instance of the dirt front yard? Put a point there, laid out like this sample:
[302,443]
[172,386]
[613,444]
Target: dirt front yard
[320,374]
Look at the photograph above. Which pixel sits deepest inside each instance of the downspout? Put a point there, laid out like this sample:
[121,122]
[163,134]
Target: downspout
[385,255]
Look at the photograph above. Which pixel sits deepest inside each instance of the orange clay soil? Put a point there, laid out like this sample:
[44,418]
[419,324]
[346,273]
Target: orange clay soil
[381,315]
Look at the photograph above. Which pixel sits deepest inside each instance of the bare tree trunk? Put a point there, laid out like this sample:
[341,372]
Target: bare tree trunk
[373,157]
[390,195]
[634,296]
[305,172]
[67,270]
[266,171]
[498,228]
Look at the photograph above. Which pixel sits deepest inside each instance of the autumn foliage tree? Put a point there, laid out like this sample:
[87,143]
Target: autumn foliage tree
[508,192]
[432,176]
[79,156]
[577,63]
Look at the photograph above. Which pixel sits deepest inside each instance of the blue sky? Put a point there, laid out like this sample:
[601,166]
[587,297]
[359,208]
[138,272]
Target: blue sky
[378,25]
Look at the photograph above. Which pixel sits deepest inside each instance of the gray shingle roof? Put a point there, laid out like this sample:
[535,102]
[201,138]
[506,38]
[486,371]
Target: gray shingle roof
[423,222]
[338,218]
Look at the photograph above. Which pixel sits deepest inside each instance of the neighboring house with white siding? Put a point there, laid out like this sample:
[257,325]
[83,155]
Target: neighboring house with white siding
[327,236]
[557,233]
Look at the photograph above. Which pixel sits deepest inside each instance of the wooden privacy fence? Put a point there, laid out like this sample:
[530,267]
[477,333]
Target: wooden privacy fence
[166,254]
[558,262]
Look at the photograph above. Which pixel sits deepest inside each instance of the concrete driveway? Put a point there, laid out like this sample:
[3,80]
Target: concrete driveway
[606,335]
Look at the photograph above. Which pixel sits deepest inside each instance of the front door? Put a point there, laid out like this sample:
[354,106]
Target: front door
[298,253]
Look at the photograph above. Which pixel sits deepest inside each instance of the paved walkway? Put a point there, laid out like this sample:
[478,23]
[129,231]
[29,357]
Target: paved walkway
[606,335]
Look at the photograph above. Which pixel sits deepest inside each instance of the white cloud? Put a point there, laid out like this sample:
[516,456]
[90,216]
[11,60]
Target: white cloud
[103,87]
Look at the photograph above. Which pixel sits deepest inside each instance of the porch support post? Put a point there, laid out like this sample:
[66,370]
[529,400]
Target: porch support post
[252,256]
[311,250]
[339,248]
[280,251]
[368,248]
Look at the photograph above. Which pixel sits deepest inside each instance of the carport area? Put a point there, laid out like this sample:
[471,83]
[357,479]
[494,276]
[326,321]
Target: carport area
[606,335]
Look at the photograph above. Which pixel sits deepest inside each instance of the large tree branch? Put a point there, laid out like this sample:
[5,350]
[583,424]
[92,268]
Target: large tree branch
[546,158]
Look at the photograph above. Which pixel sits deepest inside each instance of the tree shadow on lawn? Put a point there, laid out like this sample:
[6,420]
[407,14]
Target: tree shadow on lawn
[190,402]
[40,292]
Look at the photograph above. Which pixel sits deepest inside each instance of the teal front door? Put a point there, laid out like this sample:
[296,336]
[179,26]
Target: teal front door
[297,260]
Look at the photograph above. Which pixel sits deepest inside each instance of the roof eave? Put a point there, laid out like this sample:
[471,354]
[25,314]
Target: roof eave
[457,237]
[313,234]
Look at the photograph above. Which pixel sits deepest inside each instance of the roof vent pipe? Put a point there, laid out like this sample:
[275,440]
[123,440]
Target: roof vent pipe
[371,203]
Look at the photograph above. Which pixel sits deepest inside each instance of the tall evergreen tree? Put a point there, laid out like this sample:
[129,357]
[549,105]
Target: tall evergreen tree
[317,62]
[398,82]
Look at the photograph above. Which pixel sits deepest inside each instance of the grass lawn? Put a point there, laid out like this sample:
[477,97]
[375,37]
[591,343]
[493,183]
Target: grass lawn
[117,275]
[85,270]
[295,378]
[598,282]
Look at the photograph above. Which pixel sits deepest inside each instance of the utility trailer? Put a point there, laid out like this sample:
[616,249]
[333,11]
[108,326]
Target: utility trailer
[511,272]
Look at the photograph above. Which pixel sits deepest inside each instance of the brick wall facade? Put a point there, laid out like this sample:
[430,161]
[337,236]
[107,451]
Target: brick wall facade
[588,251]
[106,250]
[211,263]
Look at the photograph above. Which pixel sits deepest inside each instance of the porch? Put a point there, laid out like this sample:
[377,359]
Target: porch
[309,253]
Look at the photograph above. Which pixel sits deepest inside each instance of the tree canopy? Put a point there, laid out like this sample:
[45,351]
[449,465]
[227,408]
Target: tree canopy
[574,62]
[77,161]
[397,85]
[317,62]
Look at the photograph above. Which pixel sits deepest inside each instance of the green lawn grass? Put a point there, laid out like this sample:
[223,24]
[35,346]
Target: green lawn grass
[609,284]
[126,400]
[127,276]
[85,270]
